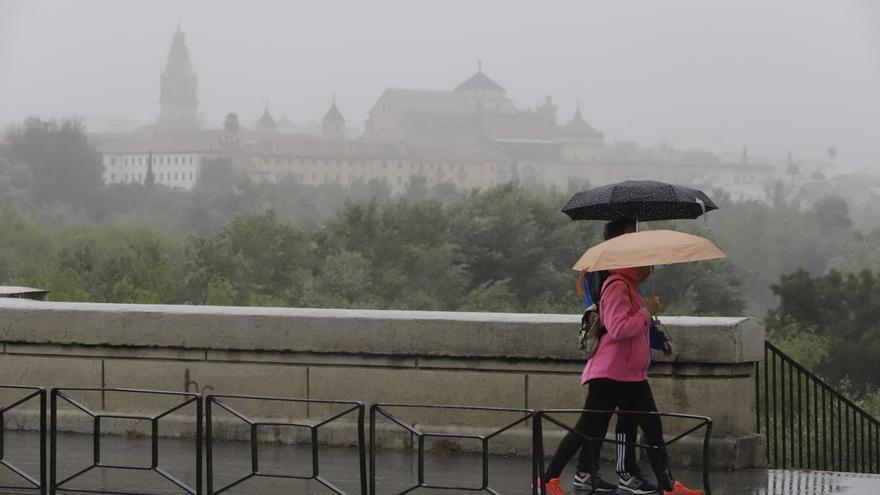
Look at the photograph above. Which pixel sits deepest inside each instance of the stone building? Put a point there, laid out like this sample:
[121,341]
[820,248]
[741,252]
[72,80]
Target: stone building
[266,123]
[333,124]
[472,136]
[477,110]
[178,96]
[175,159]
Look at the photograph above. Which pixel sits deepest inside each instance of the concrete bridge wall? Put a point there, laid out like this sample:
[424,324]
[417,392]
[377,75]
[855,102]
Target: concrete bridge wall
[506,360]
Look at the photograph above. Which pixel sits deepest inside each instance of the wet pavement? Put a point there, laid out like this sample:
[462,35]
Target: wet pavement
[396,470]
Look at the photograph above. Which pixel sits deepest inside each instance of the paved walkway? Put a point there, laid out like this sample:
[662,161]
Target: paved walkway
[396,470]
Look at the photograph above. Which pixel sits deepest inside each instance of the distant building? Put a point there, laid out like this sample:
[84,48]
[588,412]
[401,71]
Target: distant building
[579,141]
[178,88]
[175,163]
[472,136]
[266,123]
[477,110]
[333,123]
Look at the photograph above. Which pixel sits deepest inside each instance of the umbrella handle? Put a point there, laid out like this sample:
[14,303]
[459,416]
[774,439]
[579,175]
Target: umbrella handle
[703,207]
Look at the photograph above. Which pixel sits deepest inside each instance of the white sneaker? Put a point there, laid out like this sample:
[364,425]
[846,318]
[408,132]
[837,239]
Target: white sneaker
[631,484]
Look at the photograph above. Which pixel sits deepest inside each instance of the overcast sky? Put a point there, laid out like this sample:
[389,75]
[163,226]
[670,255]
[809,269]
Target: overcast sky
[773,75]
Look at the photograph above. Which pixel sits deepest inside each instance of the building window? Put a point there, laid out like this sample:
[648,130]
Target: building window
[175,175]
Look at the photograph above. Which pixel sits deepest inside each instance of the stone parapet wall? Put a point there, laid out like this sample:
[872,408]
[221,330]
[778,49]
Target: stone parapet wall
[487,359]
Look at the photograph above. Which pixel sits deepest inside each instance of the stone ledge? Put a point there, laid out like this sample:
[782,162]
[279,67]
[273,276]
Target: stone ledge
[352,332]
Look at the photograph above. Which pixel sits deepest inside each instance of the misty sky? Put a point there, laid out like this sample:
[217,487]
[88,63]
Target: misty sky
[773,75]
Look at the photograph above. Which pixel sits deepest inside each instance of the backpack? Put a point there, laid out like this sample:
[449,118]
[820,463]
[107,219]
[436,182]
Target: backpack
[592,329]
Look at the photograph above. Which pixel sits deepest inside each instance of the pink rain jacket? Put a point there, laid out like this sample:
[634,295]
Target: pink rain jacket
[624,353]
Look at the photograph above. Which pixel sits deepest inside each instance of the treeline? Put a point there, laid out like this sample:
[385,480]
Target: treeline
[803,268]
[504,249]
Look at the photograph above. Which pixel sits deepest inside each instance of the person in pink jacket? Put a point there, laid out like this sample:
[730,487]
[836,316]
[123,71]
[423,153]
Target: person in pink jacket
[617,376]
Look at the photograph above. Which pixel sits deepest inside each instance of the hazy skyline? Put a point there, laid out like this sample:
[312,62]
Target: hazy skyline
[799,75]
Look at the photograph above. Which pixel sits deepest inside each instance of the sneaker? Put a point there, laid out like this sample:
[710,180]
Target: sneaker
[582,482]
[634,484]
[679,489]
[553,487]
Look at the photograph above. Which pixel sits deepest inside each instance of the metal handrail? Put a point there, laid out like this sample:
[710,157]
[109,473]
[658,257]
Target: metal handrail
[217,399]
[538,438]
[61,393]
[807,423]
[35,482]
[380,410]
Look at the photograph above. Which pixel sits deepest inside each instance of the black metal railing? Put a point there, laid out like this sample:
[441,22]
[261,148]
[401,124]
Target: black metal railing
[421,435]
[350,407]
[547,414]
[807,423]
[35,482]
[97,458]
[207,409]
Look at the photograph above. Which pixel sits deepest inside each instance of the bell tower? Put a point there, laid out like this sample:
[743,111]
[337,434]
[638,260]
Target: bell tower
[177,88]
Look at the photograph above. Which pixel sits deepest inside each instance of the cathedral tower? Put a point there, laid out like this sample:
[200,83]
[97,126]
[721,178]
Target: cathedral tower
[178,84]
[333,123]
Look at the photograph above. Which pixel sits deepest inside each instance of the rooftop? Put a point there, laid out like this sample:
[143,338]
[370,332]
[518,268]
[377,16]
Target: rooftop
[479,82]
[420,101]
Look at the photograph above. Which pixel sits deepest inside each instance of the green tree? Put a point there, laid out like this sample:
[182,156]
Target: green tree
[832,214]
[860,252]
[25,250]
[841,310]
[65,166]
[150,178]
[260,258]
[114,264]
[230,123]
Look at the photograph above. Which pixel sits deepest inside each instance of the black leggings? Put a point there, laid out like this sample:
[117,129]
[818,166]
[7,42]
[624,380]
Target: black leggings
[607,395]
[626,431]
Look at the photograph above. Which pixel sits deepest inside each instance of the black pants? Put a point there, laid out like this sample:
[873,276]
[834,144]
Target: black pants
[607,395]
[626,431]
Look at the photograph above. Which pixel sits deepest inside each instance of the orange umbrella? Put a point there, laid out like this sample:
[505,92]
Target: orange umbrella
[647,248]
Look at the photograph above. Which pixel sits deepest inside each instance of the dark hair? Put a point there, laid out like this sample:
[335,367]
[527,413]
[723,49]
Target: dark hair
[616,228]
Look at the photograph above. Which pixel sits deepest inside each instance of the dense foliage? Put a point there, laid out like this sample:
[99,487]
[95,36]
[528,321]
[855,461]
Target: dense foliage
[232,241]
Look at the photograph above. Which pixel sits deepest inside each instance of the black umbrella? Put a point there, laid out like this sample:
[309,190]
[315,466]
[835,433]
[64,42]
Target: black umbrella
[639,200]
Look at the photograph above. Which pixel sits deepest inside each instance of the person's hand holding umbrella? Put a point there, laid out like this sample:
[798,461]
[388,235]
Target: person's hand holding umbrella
[652,303]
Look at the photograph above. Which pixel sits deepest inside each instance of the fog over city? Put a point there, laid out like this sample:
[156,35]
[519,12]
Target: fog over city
[774,76]
[424,202]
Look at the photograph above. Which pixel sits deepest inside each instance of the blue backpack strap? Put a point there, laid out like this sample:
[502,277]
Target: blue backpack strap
[585,283]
